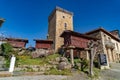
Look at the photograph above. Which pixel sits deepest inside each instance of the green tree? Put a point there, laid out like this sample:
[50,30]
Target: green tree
[7,50]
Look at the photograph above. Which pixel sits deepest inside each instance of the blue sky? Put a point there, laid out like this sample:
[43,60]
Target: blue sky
[29,18]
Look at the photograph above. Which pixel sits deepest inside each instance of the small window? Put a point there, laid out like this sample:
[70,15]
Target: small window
[117,46]
[105,37]
[109,38]
[65,25]
[63,16]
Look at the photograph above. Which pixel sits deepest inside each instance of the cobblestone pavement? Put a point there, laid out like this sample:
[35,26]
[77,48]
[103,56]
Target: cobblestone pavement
[40,77]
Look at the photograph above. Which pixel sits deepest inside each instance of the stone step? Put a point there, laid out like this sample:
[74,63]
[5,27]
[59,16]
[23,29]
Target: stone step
[1,66]
[2,62]
[2,69]
[2,58]
[5,74]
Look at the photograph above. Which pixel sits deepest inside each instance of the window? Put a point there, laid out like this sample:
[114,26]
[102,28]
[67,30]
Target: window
[109,38]
[105,37]
[63,16]
[117,46]
[65,25]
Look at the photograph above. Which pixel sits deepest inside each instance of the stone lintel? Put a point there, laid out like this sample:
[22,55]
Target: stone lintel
[71,47]
[87,49]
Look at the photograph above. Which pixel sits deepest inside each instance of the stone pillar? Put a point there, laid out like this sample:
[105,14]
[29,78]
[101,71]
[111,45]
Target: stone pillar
[87,55]
[117,57]
[113,59]
[72,56]
[110,56]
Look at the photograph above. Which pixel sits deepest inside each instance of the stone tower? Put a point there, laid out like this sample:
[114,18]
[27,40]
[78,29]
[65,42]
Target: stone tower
[59,20]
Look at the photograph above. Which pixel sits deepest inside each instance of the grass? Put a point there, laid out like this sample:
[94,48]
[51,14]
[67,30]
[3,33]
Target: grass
[7,63]
[96,73]
[54,71]
[27,60]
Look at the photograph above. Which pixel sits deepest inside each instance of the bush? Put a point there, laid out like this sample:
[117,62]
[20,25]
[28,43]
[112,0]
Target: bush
[84,64]
[27,60]
[7,50]
[77,61]
[7,63]
[96,73]
[96,64]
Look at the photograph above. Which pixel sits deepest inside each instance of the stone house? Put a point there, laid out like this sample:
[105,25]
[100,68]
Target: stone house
[110,43]
[58,21]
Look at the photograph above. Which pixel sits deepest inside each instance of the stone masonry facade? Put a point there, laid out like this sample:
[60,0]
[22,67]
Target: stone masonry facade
[110,44]
[59,20]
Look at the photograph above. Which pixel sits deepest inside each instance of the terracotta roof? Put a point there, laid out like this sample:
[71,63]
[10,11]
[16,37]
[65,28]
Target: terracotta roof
[103,30]
[115,33]
[77,34]
[18,39]
[40,40]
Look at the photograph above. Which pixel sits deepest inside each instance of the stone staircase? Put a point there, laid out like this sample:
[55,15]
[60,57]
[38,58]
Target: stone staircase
[2,62]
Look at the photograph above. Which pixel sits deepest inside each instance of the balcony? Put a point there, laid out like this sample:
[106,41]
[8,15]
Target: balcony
[109,44]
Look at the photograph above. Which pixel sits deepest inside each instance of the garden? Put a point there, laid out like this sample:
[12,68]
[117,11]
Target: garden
[54,63]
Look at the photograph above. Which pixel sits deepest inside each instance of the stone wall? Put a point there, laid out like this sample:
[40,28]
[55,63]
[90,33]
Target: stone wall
[34,68]
[2,63]
[57,24]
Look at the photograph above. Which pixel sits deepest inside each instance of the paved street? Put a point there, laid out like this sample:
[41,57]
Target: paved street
[111,74]
[40,77]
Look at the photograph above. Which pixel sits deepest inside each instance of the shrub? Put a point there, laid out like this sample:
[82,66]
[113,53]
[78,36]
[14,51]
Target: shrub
[77,61]
[7,64]
[96,74]
[84,64]
[7,50]
[96,64]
